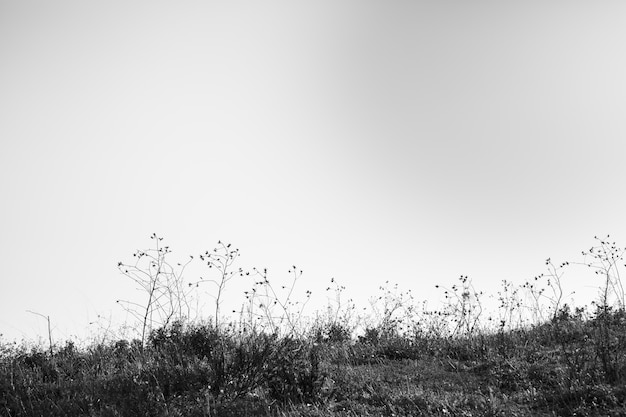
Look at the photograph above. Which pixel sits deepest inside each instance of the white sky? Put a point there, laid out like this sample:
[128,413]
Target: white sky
[361,140]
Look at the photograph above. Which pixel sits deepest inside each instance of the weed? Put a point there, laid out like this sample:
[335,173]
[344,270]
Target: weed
[542,356]
[163,285]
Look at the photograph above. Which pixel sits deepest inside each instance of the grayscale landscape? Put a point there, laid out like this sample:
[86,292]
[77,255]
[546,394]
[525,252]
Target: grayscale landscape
[328,208]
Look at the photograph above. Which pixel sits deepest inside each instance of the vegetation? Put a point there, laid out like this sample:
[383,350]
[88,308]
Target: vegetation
[535,355]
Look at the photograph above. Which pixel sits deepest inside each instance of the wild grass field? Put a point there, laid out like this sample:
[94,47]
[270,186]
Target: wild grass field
[532,356]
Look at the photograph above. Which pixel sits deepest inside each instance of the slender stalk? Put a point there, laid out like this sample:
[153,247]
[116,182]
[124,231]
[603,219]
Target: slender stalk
[49,330]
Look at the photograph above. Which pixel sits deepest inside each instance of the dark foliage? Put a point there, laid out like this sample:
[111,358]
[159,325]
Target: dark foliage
[568,365]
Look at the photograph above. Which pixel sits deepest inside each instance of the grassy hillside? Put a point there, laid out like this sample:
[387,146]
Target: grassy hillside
[569,366]
[527,359]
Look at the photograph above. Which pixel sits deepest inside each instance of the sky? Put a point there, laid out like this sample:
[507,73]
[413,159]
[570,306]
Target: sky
[366,141]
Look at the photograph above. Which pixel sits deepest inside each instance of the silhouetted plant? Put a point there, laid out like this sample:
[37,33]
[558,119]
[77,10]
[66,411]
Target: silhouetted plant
[462,304]
[510,309]
[606,258]
[49,329]
[393,311]
[164,287]
[221,259]
[550,292]
[276,312]
[338,320]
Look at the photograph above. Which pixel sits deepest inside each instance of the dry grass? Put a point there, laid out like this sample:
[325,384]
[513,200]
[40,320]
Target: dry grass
[402,362]
[192,370]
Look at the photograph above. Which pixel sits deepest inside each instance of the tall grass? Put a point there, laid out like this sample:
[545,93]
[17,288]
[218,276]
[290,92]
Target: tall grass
[534,355]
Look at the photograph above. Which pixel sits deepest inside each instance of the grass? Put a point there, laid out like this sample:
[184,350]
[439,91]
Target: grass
[441,363]
[556,368]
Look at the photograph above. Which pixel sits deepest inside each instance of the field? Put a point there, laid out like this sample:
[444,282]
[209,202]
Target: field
[538,358]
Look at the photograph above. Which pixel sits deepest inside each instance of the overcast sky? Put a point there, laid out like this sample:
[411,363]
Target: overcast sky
[361,140]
